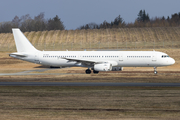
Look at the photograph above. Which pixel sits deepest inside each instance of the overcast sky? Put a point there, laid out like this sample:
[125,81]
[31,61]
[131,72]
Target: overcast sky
[75,13]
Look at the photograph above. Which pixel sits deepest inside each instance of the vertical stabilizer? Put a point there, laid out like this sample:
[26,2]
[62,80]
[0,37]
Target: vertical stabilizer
[22,43]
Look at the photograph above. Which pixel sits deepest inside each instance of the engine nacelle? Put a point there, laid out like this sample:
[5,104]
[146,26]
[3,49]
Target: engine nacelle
[103,67]
[117,68]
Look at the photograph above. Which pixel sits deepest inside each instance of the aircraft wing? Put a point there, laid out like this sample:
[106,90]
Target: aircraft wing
[92,62]
[82,60]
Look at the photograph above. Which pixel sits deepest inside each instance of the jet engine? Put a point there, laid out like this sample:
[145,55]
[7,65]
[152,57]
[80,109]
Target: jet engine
[103,67]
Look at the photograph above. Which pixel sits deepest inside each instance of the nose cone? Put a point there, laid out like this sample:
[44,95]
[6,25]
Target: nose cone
[172,61]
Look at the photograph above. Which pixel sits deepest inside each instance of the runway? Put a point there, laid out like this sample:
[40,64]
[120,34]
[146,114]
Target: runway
[39,72]
[89,84]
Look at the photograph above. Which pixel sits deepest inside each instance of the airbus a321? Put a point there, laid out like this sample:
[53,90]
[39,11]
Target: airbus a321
[93,60]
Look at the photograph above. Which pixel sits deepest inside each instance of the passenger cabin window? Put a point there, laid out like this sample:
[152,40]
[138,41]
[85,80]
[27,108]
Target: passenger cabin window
[138,56]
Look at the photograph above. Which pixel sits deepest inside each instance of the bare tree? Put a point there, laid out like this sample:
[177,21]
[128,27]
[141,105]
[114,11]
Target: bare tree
[39,23]
[16,22]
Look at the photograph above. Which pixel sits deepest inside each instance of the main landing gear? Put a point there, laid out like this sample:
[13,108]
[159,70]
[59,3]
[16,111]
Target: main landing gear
[155,72]
[95,72]
[88,71]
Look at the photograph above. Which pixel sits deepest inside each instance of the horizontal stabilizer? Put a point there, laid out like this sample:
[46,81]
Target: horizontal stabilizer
[17,55]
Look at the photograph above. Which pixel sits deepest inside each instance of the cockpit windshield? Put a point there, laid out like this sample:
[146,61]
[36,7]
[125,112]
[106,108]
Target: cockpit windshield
[165,56]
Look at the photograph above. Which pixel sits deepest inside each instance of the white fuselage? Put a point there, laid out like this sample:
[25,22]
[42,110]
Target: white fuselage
[116,58]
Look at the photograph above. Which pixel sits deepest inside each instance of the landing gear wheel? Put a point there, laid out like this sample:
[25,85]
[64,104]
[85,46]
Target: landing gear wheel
[155,72]
[54,67]
[88,71]
[95,72]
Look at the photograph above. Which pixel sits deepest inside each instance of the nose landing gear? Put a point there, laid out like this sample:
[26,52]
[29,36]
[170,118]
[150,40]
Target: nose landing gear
[155,71]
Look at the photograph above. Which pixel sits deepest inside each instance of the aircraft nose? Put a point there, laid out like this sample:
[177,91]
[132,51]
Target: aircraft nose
[172,61]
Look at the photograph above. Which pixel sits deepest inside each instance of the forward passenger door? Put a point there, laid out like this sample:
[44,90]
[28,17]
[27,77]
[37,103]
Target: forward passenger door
[121,57]
[154,56]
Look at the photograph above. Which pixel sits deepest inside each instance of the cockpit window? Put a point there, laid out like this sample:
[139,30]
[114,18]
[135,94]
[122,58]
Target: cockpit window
[165,56]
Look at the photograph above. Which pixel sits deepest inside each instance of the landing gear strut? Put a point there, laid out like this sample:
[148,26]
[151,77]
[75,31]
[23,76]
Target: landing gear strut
[88,71]
[155,72]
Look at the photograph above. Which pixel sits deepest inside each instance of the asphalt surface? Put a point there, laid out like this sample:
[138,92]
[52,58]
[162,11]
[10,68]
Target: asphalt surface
[30,72]
[19,74]
[88,84]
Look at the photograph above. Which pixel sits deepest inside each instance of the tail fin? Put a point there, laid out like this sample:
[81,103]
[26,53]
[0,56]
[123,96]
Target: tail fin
[22,43]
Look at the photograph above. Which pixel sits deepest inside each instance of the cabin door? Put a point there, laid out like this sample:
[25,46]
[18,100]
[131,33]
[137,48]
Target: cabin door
[36,58]
[154,57]
[121,57]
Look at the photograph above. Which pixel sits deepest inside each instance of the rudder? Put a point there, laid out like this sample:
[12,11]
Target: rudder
[22,43]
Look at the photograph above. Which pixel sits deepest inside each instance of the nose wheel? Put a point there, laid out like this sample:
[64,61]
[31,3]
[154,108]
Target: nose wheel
[155,71]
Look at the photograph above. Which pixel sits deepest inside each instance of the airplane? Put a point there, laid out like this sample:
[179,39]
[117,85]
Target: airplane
[93,60]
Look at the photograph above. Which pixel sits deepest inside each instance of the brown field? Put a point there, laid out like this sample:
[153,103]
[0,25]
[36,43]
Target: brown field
[123,38]
[127,103]
[84,103]
[81,103]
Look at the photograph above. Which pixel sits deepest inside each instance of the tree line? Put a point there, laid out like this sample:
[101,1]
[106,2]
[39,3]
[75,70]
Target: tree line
[39,23]
[142,20]
[27,24]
